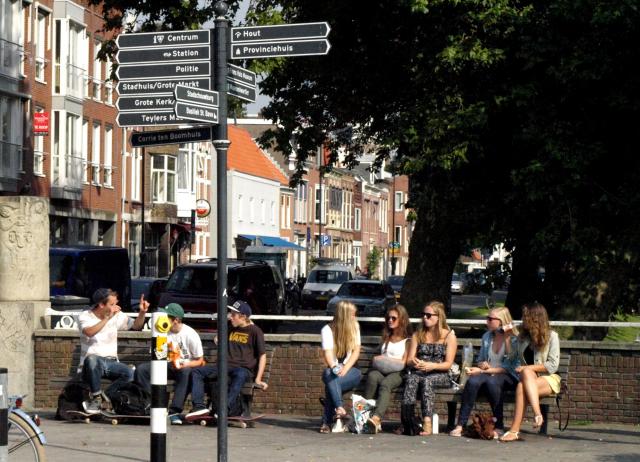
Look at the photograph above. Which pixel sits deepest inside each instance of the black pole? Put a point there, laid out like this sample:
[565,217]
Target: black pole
[321,204]
[159,397]
[4,415]
[143,256]
[393,250]
[221,144]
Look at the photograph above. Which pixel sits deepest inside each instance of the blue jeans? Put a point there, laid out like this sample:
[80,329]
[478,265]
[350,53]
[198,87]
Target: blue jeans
[95,367]
[334,387]
[237,377]
[180,388]
[494,386]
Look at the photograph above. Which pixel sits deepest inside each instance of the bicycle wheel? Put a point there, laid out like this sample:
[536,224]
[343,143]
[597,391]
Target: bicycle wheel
[24,444]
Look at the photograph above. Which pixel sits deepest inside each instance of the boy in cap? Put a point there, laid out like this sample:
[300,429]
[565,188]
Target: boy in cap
[186,341]
[247,355]
[99,328]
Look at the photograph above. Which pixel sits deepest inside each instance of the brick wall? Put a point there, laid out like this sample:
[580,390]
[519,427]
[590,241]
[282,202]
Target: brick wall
[612,370]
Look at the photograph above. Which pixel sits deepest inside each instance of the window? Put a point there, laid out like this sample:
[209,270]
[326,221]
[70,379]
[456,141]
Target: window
[382,218]
[300,203]
[251,210]
[40,40]
[95,154]
[108,83]
[136,167]
[398,201]
[320,204]
[10,137]
[184,156]
[240,208]
[163,178]
[357,225]
[397,235]
[263,211]
[84,149]
[11,50]
[96,84]
[108,155]
[273,212]
[38,151]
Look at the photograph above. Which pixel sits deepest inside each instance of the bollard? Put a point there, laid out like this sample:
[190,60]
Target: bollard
[4,416]
[159,399]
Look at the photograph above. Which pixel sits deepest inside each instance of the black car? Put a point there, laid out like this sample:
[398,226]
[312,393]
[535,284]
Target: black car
[150,287]
[396,282]
[194,286]
[371,298]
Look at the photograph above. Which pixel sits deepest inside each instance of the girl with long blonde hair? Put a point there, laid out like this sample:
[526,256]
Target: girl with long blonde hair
[340,350]
[431,353]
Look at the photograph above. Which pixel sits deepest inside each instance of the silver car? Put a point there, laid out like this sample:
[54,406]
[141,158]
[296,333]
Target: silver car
[371,298]
[457,284]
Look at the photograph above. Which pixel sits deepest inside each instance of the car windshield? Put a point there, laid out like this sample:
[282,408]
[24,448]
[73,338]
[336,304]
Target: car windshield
[455,277]
[139,287]
[328,276]
[196,281]
[361,290]
[395,280]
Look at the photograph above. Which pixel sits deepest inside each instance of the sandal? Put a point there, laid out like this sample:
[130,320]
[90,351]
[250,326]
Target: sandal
[374,425]
[324,428]
[427,429]
[538,421]
[340,413]
[510,436]
[457,432]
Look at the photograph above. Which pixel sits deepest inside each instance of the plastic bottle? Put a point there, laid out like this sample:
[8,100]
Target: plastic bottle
[435,422]
[467,361]
[337,367]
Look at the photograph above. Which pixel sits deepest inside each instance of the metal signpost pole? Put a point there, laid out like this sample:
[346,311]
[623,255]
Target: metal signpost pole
[159,397]
[4,416]
[221,144]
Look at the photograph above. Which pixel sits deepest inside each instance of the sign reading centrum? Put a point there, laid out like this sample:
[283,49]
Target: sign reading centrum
[163,39]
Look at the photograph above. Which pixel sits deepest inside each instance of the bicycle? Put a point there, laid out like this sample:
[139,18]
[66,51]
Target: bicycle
[26,441]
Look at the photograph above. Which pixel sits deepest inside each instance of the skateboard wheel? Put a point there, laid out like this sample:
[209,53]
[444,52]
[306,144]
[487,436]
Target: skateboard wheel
[87,420]
[203,423]
[114,421]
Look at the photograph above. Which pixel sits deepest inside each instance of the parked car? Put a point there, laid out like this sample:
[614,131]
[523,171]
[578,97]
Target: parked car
[372,298]
[150,287]
[81,269]
[194,286]
[457,284]
[323,282]
[396,282]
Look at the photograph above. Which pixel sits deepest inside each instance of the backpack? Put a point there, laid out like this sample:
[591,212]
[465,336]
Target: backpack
[128,398]
[71,398]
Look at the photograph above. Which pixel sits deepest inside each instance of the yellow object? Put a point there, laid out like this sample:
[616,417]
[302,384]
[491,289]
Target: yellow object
[163,324]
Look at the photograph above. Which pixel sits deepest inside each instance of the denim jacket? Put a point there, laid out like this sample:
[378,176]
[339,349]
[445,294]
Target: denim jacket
[509,361]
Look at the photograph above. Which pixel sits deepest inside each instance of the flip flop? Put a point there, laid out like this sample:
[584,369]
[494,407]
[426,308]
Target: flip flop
[510,436]
[324,428]
[538,421]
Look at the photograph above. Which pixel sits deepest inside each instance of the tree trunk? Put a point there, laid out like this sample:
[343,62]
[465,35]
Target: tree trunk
[525,283]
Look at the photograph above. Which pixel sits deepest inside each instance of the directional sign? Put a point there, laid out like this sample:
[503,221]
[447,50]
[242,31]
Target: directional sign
[159,87]
[148,71]
[278,49]
[280,32]
[241,91]
[193,112]
[177,136]
[241,75]
[163,39]
[162,55]
[195,96]
[145,103]
[147,118]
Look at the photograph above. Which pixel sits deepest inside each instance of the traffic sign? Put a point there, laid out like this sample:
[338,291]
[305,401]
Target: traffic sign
[145,119]
[177,136]
[195,96]
[241,75]
[280,32]
[161,55]
[193,112]
[159,87]
[148,71]
[325,240]
[241,91]
[145,103]
[280,49]
[163,39]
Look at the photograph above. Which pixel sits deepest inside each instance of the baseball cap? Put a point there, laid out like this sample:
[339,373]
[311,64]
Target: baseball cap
[174,310]
[101,294]
[241,307]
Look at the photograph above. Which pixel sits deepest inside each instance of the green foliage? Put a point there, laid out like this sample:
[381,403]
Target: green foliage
[373,262]
[624,334]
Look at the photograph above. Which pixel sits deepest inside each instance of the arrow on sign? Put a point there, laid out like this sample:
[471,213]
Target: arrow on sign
[163,39]
[280,49]
[199,113]
[280,32]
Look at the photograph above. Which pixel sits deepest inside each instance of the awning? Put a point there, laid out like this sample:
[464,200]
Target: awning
[271,241]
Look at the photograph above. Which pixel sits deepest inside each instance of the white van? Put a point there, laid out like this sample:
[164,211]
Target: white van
[323,282]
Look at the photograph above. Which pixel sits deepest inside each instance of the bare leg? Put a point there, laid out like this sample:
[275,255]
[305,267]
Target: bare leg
[521,403]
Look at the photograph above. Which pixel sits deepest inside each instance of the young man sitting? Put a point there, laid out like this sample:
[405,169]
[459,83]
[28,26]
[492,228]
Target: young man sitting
[246,355]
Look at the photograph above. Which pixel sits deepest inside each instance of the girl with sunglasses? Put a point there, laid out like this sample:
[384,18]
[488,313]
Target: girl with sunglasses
[384,376]
[431,352]
[539,353]
[495,371]
[340,350]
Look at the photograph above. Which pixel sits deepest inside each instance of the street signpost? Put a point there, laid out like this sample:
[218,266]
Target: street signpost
[196,96]
[159,87]
[242,91]
[148,118]
[176,136]
[193,112]
[145,103]
[160,71]
[241,75]
[280,49]
[241,83]
[161,55]
[164,39]
[303,30]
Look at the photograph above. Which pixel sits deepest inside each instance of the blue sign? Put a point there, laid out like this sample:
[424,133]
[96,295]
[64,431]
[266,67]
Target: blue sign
[325,240]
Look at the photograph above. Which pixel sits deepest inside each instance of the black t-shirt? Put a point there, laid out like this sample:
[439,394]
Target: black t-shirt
[246,345]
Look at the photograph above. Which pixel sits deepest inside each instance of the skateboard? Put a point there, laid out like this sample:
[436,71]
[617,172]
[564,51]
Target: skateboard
[117,418]
[84,416]
[233,421]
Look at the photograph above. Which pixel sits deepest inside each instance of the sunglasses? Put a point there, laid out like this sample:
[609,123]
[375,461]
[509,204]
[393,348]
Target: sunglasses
[391,318]
[489,318]
[429,315]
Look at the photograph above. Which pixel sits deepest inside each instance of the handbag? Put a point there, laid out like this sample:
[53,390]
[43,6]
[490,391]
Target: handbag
[563,393]
[386,365]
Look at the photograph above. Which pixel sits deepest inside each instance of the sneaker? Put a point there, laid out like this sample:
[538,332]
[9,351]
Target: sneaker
[93,404]
[175,419]
[196,411]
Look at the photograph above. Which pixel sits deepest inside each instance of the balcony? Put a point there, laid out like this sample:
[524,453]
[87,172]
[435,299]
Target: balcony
[67,184]
[10,165]
[10,56]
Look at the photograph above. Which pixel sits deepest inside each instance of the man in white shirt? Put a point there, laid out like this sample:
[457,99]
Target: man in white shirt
[185,353]
[99,328]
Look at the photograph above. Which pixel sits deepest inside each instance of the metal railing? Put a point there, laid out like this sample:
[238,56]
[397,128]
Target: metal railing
[71,176]
[10,55]
[10,160]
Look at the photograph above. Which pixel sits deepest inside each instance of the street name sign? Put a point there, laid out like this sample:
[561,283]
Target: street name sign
[199,113]
[145,103]
[279,49]
[149,71]
[303,30]
[159,87]
[241,75]
[177,136]
[242,91]
[195,96]
[143,119]
[163,39]
[162,55]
